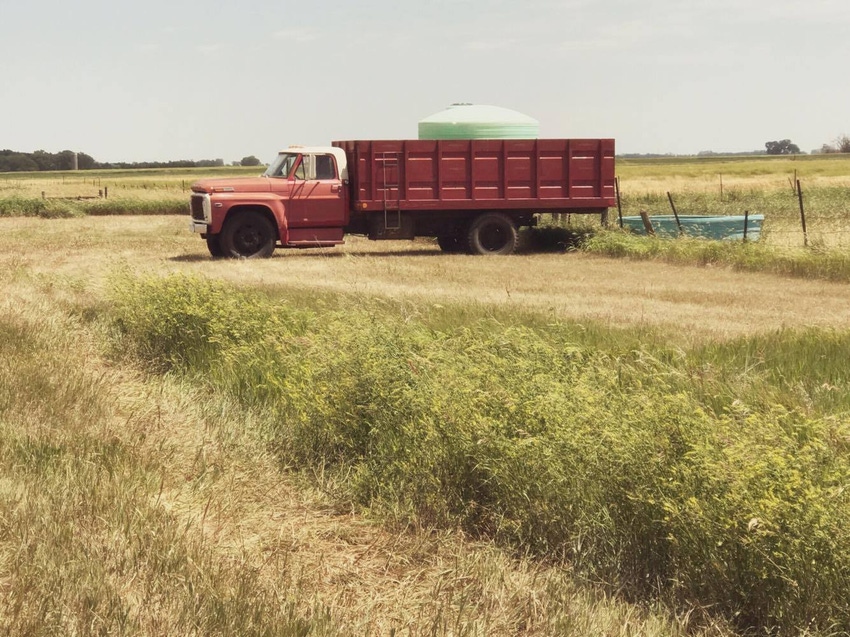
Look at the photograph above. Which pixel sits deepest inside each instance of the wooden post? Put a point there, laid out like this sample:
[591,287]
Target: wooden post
[619,202]
[802,214]
[746,220]
[647,223]
[675,214]
[106,192]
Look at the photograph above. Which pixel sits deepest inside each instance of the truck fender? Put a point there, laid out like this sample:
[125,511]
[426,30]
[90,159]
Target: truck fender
[274,209]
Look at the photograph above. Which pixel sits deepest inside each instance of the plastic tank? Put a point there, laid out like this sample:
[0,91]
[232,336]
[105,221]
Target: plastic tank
[478,121]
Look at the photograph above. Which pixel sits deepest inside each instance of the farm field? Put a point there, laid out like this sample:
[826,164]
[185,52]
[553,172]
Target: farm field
[704,185]
[382,437]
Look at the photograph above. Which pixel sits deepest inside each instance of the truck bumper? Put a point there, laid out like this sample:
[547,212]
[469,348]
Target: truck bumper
[198,227]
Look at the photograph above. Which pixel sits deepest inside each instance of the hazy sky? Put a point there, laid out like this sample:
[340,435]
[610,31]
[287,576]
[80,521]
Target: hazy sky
[185,79]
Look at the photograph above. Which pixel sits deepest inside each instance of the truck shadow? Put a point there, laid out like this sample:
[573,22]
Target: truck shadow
[532,241]
[552,239]
[317,253]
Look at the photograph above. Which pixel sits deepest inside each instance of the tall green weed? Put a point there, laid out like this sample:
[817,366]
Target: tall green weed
[623,463]
[66,208]
[32,207]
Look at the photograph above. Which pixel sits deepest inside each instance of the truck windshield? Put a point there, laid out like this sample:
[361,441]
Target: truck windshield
[282,165]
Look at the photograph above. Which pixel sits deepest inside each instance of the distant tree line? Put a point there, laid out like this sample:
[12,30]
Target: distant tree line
[702,153]
[180,163]
[14,161]
[840,145]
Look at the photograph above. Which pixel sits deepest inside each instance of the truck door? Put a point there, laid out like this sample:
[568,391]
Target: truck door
[317,196]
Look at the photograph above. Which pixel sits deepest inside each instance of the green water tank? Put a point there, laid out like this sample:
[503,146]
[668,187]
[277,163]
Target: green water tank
[478,121]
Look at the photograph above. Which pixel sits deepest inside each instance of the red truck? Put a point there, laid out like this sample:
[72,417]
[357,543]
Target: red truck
[472,195]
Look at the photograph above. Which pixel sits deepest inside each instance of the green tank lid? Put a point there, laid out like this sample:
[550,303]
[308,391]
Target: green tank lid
[478,121]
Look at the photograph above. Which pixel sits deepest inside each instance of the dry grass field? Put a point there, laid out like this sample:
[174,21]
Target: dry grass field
[191,526]
[142,504]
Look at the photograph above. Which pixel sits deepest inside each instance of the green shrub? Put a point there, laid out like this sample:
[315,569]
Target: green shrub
[30,207]
[64,208]
[130,206]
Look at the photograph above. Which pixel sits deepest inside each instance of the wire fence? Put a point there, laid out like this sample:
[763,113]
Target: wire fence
[810,217]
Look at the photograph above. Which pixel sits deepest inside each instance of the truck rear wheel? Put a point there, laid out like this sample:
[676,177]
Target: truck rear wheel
[248,235]
[492,233]
[451,243]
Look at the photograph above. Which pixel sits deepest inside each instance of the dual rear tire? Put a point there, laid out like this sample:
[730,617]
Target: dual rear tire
[490,233]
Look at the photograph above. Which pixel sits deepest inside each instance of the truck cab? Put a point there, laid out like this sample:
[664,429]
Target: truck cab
[300,201]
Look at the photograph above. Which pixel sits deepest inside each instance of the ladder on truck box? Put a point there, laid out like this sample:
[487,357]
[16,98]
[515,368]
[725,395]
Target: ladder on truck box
[390,178]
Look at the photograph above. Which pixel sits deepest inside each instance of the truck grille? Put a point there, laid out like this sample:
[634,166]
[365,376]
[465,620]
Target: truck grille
[199,207]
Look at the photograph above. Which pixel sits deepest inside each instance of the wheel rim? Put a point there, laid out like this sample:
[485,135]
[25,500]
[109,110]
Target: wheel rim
[248,239]
[493,237]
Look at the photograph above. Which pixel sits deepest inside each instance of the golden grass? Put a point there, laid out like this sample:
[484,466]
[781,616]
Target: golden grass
[675,174]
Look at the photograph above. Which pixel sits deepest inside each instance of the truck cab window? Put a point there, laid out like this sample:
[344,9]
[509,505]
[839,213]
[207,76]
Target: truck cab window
[325,167]
[281,166]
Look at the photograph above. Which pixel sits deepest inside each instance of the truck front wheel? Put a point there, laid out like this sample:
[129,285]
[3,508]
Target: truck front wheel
[214,245]
[248,235]
[492,233]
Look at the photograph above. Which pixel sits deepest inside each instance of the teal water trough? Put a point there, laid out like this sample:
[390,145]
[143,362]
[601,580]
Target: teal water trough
[730,227]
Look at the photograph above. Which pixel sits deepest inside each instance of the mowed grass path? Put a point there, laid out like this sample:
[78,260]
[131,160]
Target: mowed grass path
[690,304]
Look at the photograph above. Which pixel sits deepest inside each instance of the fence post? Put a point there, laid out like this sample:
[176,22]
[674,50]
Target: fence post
[802,214]
[647,223]
[619,202]
[746,220]
[675,214]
